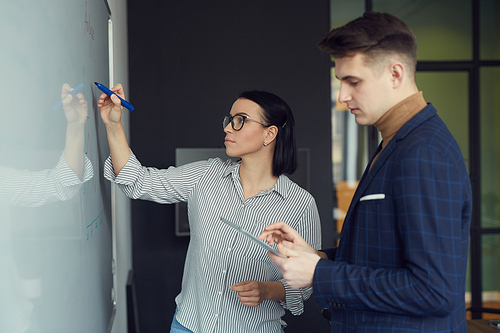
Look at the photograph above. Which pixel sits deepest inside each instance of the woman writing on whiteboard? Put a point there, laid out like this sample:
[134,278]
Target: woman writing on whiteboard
[229,283]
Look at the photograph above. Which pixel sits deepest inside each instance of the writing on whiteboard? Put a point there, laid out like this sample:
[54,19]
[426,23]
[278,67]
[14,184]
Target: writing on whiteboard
[92,226]
[88,30]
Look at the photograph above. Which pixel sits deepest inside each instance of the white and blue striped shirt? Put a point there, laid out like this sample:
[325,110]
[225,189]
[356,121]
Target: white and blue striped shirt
[218,256]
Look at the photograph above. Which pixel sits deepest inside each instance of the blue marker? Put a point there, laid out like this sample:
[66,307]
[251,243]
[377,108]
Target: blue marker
[109,93]
[72,93]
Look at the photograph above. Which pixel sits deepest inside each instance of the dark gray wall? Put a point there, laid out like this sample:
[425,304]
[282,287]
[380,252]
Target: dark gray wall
[188,62]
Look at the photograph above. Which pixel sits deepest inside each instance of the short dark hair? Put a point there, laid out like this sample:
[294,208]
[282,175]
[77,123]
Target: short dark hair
[278,113]
[375,35]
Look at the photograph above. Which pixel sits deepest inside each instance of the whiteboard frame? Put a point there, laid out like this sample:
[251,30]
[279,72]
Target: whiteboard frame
[114,297]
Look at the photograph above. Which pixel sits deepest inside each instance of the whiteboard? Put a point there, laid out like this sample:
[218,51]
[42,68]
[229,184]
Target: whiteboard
[55,230]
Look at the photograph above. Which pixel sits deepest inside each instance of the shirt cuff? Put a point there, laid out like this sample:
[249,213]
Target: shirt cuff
[294,298]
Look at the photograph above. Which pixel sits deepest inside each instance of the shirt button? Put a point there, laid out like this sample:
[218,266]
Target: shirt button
[228,249]
[224,271]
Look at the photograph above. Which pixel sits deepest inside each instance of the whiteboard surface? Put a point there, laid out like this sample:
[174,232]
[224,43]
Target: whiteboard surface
[55,249]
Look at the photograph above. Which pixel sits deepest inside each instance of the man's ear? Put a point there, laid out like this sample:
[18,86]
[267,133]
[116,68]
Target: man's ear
[397,71]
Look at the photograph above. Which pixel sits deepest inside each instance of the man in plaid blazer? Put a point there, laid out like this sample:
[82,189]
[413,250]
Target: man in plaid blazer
[402,257]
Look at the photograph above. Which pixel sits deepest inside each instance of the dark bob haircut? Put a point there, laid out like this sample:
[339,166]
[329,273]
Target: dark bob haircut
[278,113]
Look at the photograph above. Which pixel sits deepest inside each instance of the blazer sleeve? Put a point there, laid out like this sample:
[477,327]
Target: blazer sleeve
[431,200]
[330,253]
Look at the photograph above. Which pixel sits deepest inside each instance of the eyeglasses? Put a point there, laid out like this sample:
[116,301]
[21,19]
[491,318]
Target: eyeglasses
[237,121]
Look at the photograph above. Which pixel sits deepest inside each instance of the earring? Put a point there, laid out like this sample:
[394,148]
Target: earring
[265,144]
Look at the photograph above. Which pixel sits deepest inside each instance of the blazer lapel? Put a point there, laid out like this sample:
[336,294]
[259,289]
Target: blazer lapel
[367,177]
[365,180]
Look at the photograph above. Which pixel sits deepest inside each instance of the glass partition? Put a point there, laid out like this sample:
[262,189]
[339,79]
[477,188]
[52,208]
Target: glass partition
[490,30]
[443,27]
[490,151]
[448,92]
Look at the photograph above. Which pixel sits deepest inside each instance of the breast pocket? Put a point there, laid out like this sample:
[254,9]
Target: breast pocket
[369,210]
[372,197]
[374,230]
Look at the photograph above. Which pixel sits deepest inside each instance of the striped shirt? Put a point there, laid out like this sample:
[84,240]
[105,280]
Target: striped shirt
[218,256]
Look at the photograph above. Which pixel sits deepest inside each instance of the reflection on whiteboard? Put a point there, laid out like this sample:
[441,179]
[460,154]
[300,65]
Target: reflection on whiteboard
[55,237]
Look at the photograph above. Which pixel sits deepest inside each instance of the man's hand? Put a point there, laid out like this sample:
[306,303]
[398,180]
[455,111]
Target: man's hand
[298,269]
[280,232]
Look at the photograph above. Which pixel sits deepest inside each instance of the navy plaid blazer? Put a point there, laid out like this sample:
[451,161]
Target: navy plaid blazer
[402,257]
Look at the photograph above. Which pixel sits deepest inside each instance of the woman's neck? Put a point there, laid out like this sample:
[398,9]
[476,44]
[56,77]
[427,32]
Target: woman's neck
[256,176]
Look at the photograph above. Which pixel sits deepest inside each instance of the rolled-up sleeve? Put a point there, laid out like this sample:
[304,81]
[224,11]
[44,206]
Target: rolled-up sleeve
[309,227]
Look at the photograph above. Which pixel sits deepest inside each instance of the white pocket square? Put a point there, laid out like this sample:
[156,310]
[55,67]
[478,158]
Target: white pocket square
[378,196]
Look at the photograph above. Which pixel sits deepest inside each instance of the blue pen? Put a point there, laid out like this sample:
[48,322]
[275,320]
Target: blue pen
[72,93]
[109,93]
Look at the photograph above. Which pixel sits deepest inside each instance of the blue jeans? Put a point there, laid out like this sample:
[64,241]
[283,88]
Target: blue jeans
[176,327]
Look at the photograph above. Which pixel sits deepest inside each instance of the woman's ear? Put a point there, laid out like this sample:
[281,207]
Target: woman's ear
[272,132]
